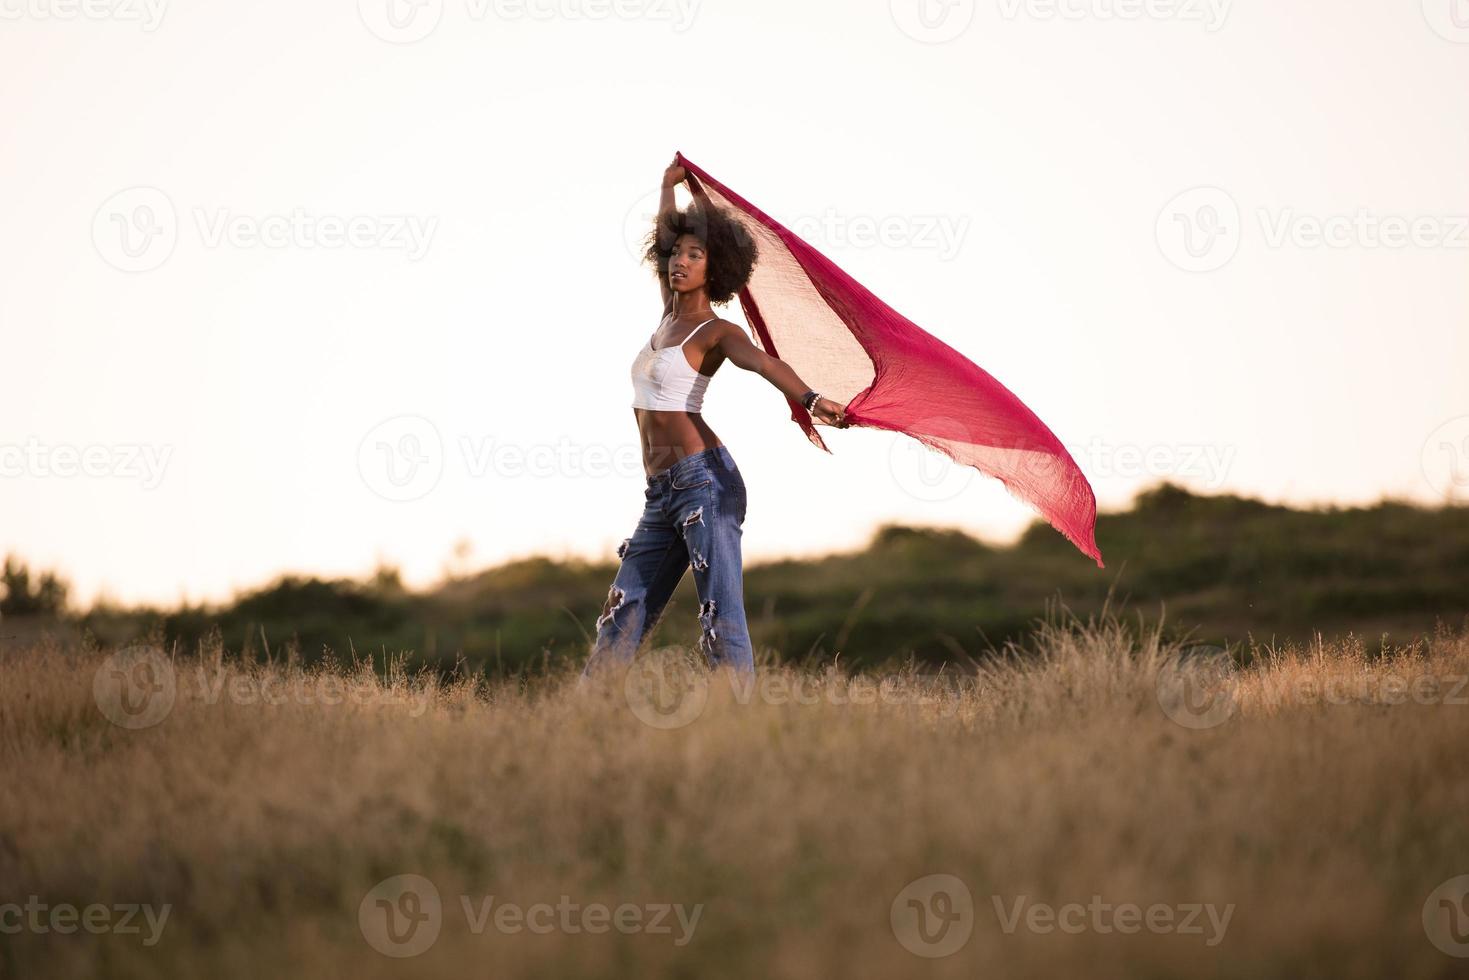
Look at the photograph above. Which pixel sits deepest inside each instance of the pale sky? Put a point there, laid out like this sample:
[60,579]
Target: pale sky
[268,267]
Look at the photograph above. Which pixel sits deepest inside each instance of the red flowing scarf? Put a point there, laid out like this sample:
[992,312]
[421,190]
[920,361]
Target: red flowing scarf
[854,348]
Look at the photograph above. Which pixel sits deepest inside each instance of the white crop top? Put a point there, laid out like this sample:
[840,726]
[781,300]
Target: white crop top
[664,381]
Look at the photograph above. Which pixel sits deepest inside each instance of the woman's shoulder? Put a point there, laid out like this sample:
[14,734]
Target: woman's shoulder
[714,331]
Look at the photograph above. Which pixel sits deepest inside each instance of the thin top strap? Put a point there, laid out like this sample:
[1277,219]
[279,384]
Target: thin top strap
[696,329]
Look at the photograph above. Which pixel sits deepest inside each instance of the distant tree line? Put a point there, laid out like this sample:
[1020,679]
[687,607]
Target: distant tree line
[22,594]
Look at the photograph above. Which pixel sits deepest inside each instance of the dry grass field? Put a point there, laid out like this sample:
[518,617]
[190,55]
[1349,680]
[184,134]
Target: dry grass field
[1099,803]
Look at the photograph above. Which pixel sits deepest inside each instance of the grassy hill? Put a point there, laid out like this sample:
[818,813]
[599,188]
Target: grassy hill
[1225,567]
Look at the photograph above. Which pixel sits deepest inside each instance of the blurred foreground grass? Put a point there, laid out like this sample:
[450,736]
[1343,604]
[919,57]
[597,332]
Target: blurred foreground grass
[1310,797]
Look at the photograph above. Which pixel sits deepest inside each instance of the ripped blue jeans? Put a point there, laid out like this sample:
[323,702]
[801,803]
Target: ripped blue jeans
[693,514]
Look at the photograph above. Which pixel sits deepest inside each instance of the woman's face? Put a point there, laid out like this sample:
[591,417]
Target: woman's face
[688,265]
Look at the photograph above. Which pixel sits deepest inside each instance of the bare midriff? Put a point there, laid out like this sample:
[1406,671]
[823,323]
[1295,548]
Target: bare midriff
[668,437]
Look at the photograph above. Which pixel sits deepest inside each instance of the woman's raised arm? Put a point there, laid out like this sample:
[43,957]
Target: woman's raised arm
[672,177]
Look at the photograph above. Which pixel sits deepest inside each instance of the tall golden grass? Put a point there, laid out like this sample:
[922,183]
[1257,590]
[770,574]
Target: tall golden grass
[1322,802]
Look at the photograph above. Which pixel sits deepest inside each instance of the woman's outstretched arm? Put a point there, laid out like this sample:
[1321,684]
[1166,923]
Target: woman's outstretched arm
[742,354]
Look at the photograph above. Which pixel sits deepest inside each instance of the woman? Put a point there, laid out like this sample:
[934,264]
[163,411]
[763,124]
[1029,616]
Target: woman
[694,502]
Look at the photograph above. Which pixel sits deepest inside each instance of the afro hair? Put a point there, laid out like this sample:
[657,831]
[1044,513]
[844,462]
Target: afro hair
[728,243]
